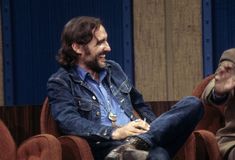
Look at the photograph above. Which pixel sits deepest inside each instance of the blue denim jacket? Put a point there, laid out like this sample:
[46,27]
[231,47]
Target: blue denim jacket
[75,107]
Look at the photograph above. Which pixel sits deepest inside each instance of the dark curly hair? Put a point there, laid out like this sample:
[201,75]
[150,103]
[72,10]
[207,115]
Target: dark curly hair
[80,31]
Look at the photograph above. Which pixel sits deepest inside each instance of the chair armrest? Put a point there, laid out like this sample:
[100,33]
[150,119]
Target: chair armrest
[43,146]
[74,147]
[202,145]
[206,145]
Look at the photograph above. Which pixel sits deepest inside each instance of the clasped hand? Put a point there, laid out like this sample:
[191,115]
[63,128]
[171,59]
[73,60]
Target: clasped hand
[224,78]
[132,128]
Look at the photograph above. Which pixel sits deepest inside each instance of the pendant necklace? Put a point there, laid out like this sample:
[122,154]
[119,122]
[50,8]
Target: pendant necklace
[111,115]
[113,118]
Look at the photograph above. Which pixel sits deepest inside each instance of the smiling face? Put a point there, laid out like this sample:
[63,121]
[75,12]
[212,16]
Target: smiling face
[93,55]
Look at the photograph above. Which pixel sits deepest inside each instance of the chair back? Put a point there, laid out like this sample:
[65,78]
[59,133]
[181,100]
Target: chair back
[7,144]
[40,147]
[47,123]
[213,118]
[198,90]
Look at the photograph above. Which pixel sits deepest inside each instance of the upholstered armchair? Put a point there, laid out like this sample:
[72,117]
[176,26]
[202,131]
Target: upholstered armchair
[213,119]
[73,147]
[39,147]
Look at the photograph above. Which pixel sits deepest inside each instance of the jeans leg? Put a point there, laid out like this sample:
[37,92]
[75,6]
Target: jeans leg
[172,128]
[158,153]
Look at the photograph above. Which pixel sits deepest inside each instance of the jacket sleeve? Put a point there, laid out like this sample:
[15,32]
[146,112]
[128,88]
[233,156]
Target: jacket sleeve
[64,111]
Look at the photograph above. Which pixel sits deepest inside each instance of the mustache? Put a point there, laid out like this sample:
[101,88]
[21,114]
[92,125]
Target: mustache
[102,53]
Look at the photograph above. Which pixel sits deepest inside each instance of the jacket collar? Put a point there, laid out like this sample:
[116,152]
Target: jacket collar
[75,76]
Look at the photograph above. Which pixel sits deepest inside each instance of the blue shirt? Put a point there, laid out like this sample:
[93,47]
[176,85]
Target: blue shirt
[107,101]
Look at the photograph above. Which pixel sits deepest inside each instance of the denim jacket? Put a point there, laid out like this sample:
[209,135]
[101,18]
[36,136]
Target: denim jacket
[75,107]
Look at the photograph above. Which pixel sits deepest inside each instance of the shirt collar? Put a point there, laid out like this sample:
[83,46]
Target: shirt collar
[84,74]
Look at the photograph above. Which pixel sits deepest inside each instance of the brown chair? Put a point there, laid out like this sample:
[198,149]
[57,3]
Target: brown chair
[213,118]
[206,147]
[39,147]
[73,147]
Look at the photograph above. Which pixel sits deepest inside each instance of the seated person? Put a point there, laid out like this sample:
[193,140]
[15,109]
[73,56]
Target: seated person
[220,91]
[92,97]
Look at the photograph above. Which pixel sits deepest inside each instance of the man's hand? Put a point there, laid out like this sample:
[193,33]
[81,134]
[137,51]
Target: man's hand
[224,78]
[132,128]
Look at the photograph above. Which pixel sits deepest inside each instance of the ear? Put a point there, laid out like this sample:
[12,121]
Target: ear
[77,48]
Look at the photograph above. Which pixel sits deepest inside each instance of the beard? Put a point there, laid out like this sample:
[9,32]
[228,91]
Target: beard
[93,62]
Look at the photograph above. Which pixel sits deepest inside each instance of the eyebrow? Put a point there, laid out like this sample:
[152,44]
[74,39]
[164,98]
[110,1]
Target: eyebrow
[100,41]
[105,38]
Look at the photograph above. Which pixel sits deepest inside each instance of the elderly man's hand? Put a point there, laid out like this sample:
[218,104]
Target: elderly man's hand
[224,78]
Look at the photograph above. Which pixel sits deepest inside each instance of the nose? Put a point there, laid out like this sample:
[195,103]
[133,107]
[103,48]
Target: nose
[107,47]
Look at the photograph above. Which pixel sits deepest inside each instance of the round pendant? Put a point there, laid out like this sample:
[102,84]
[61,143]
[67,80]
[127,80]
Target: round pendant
[112,117]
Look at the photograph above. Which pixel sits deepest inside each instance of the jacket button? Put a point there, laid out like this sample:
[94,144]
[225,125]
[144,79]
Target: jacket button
[97,113]
[93,97]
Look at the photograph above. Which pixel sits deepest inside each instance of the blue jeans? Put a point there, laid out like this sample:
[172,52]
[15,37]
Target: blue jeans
[167,133]
[170,130]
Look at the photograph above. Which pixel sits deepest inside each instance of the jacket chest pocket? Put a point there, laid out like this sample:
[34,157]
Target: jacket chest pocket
[87,107]
[123,94]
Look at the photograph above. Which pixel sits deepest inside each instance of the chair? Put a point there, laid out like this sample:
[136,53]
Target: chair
[39,147]
[206,146]
[213,118]
[73,147]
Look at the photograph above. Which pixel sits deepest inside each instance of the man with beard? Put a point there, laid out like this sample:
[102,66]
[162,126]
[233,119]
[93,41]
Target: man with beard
[93,98]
